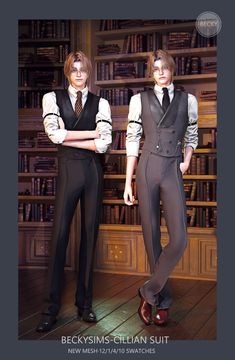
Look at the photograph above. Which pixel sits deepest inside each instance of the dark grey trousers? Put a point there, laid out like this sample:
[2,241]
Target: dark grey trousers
[159,178]
[78,179]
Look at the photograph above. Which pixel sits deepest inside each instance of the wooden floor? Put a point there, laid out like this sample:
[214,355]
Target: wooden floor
[192,315]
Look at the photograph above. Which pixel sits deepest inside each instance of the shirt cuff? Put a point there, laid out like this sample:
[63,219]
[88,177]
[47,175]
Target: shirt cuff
[132,149]
[101,146]
[57,136]
[193,145]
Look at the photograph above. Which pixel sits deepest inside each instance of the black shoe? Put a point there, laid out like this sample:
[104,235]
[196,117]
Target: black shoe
[46,323]
[87,315]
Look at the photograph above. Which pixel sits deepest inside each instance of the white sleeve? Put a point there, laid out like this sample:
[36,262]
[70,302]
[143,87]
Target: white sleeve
[103,126]
[134,127]
[53,123]
[191,134]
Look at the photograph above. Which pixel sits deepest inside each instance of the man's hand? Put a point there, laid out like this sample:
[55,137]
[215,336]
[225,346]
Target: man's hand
[128,197]
[184,167]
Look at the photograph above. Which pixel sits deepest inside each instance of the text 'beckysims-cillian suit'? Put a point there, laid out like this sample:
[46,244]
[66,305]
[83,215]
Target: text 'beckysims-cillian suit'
[159,177]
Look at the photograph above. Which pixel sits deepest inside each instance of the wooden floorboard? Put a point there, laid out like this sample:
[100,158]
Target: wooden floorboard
[192,314]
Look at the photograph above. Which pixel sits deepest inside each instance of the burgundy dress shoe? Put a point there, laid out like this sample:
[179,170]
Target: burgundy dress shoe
[145,310]
[87,315]
[46,323]
[161,317]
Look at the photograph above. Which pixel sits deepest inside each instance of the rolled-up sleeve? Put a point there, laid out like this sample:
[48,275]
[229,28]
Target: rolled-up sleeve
[191,134]
[103,126]
[134,127]
[53,123]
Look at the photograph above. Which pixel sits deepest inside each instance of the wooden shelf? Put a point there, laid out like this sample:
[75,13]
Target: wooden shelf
[35,88]
[43,40]
[38,150]
[33,224]
[196,151]
[35,198]
[137,228]
[185,177]
[118,33]
[188,203]
[120,227]
[37,174]
[149,81]
[119,176]
[206,52]
[38,65]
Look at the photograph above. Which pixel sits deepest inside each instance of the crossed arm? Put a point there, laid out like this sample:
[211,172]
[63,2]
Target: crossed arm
[97,140]
[81,139]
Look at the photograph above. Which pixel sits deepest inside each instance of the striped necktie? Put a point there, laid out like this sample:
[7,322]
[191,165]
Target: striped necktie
[78,104]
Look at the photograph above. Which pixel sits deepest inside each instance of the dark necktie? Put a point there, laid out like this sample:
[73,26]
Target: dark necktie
[165,99]
[78,104]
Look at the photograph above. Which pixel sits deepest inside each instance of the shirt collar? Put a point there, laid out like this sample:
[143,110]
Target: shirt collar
[74,91]
[158,89]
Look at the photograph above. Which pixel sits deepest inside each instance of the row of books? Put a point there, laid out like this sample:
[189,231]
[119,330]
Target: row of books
[47,78]
[209,67]
[119,140]
[30,99]
[200,190]
[126,69]
[27,163]
[44,29]
[194,190]
[39,141]
[202,217]
[136,43]
[33,99]
[121,70]
[188,65]
[42,140]
[117,165]
[206,139]
[120,214]
[35,212]
[204,164]
[130,215]
[142,42]
[48,55]
[117,96]
[108,49]
[42,187]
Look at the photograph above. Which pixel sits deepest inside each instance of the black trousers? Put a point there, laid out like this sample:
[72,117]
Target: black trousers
[78,179]
[160,178]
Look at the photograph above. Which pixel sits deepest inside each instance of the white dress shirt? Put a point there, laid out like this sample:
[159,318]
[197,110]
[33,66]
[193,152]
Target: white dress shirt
[135,130]
[54,125]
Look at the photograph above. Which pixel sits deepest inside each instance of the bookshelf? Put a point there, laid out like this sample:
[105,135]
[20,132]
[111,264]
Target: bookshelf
[43,46]
[120,247]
